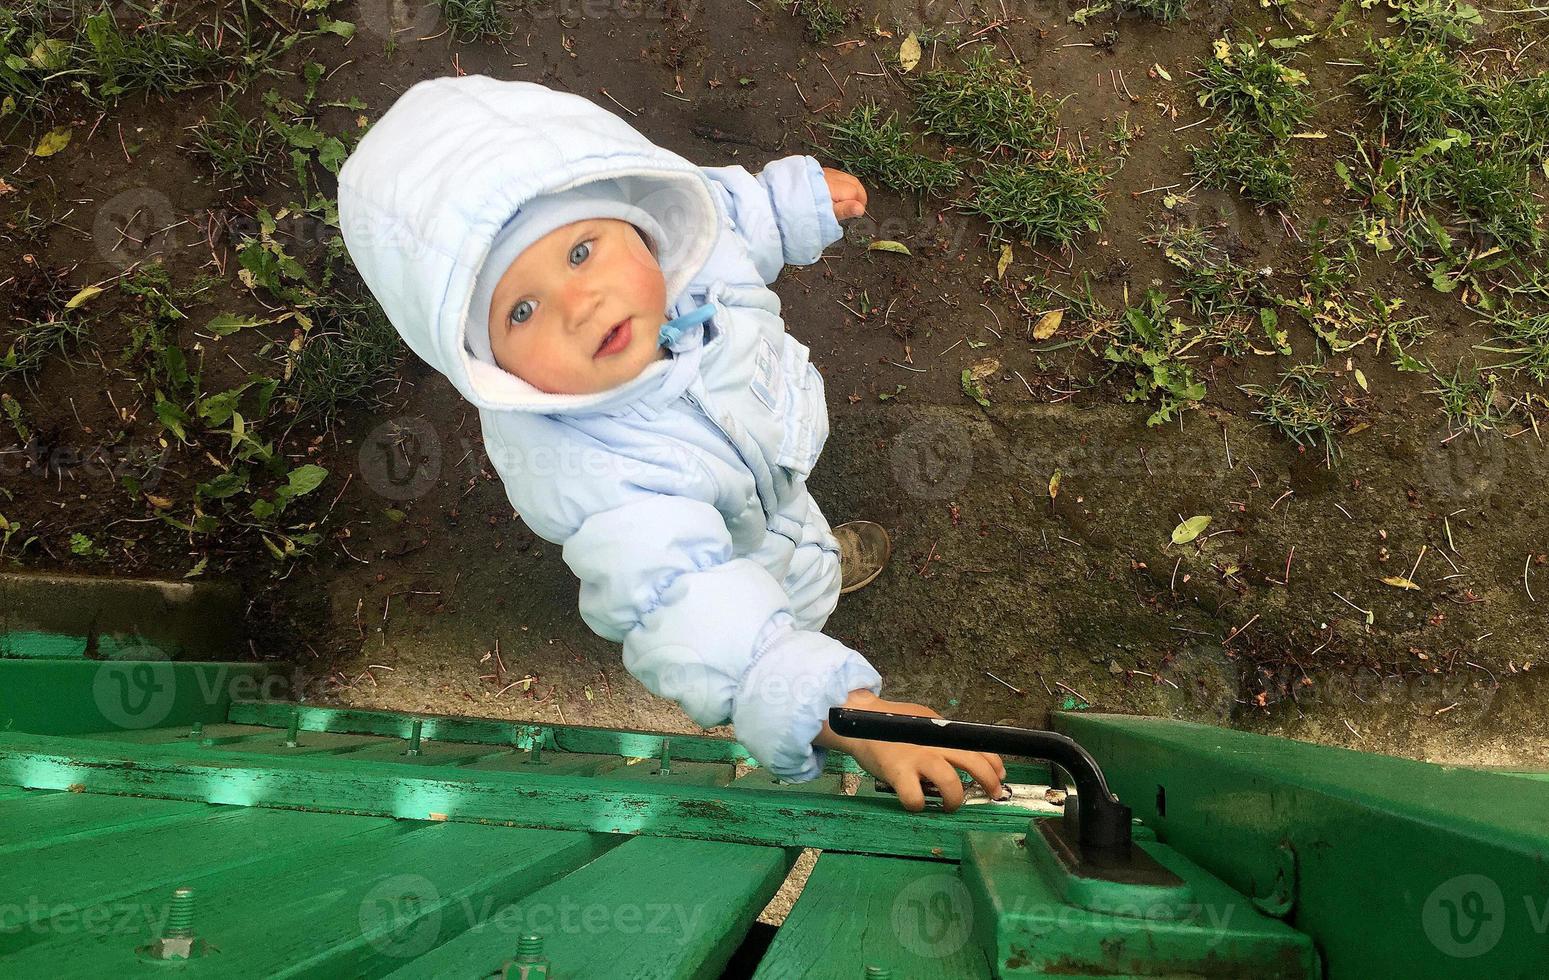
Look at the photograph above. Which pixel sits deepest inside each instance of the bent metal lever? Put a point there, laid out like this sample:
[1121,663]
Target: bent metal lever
[1103,823]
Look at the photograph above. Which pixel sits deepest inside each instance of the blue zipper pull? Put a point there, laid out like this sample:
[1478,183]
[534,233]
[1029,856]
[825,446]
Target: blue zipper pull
[673,329]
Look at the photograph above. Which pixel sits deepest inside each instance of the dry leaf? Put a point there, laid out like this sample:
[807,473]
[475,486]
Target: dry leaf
[984,368]
[888,246]
[909,53]
[1048,324]
[1054,485]
[1005,260]
[160,503]
[52,142]
[1400,582]
[86,293]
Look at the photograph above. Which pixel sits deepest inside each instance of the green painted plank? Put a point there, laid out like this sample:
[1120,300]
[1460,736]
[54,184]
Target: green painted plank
[909,916]
[73,697]
[679,773]
[489,731]
[656,807]
[21,792]
[551,763]
[55,817]
[651,908]
[431,753]
[180,733]
[359,908]
[60,880]
[828,784]
[47,645]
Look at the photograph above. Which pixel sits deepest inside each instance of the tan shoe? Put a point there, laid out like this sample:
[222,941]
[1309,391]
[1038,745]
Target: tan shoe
[864,547]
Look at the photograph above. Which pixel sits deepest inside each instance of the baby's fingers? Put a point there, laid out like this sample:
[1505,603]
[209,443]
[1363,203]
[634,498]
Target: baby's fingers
[940,771]
[979,766]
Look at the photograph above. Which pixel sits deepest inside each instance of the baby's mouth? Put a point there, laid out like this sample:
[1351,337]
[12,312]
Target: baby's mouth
[615,340]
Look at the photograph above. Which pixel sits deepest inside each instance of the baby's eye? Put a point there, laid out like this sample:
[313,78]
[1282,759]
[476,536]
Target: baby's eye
[517,314]
[587,245]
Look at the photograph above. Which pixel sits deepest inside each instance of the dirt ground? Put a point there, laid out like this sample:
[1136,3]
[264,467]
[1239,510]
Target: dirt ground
[425,592]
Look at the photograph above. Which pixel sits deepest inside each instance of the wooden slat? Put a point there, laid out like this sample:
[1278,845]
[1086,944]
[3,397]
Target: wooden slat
[54,817]
[680,773]
[912,917]
[175,734]
[657,807]
[431,753]
[551,763]
[67,877]
[20,793]
[828,784]
[652,908]
[72,697]
[365,907]
[490,731]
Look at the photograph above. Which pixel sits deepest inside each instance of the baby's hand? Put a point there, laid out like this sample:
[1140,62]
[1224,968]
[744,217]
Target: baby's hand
[904,766]
[848,194]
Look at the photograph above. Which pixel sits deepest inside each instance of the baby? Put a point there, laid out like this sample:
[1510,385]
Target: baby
[605,305]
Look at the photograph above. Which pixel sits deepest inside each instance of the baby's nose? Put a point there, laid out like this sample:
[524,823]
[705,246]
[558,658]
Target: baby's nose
[581,301]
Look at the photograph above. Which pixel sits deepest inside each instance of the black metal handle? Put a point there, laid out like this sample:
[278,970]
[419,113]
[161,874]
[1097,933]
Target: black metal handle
[1103,823]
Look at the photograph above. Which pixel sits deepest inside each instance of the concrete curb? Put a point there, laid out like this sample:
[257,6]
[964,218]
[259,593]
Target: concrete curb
[50,615]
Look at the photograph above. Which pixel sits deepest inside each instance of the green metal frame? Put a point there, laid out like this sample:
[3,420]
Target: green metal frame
[1394,866]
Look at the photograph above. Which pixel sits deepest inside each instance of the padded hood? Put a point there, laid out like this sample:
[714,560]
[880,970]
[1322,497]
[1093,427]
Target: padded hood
[425,192]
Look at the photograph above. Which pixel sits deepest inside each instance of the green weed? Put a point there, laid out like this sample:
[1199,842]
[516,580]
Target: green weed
[1151,342]
[1302,408]
[824,19]
[238,148]
[470,20]
[32,343]
[1472,402]
[1419,89]
[1055,199]
[1524,338]
[1437,21]
[870,147]
[153,57]
[987,104]
[1229,298]
[1248,84]
[1237,160]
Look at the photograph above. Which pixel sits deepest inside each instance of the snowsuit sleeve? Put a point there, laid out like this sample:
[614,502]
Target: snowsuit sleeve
[709,631]
[784,213]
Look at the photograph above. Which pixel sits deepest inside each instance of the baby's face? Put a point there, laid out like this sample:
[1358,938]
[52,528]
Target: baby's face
[580,309]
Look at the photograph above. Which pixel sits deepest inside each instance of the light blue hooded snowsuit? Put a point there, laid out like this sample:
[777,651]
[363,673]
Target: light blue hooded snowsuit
[680,497]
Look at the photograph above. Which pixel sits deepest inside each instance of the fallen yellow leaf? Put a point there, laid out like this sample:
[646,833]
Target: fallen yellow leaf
[909,53]
[1048,324]
[1400,582]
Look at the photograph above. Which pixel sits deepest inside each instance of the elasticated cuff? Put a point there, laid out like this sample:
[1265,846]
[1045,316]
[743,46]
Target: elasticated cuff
[780,706]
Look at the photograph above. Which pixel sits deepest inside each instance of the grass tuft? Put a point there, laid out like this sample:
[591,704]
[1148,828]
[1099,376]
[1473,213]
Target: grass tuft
[1302,408]
[237,148]
[987,104]
[871,147]
[1055,199]
[1237,160]
[1250,86]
